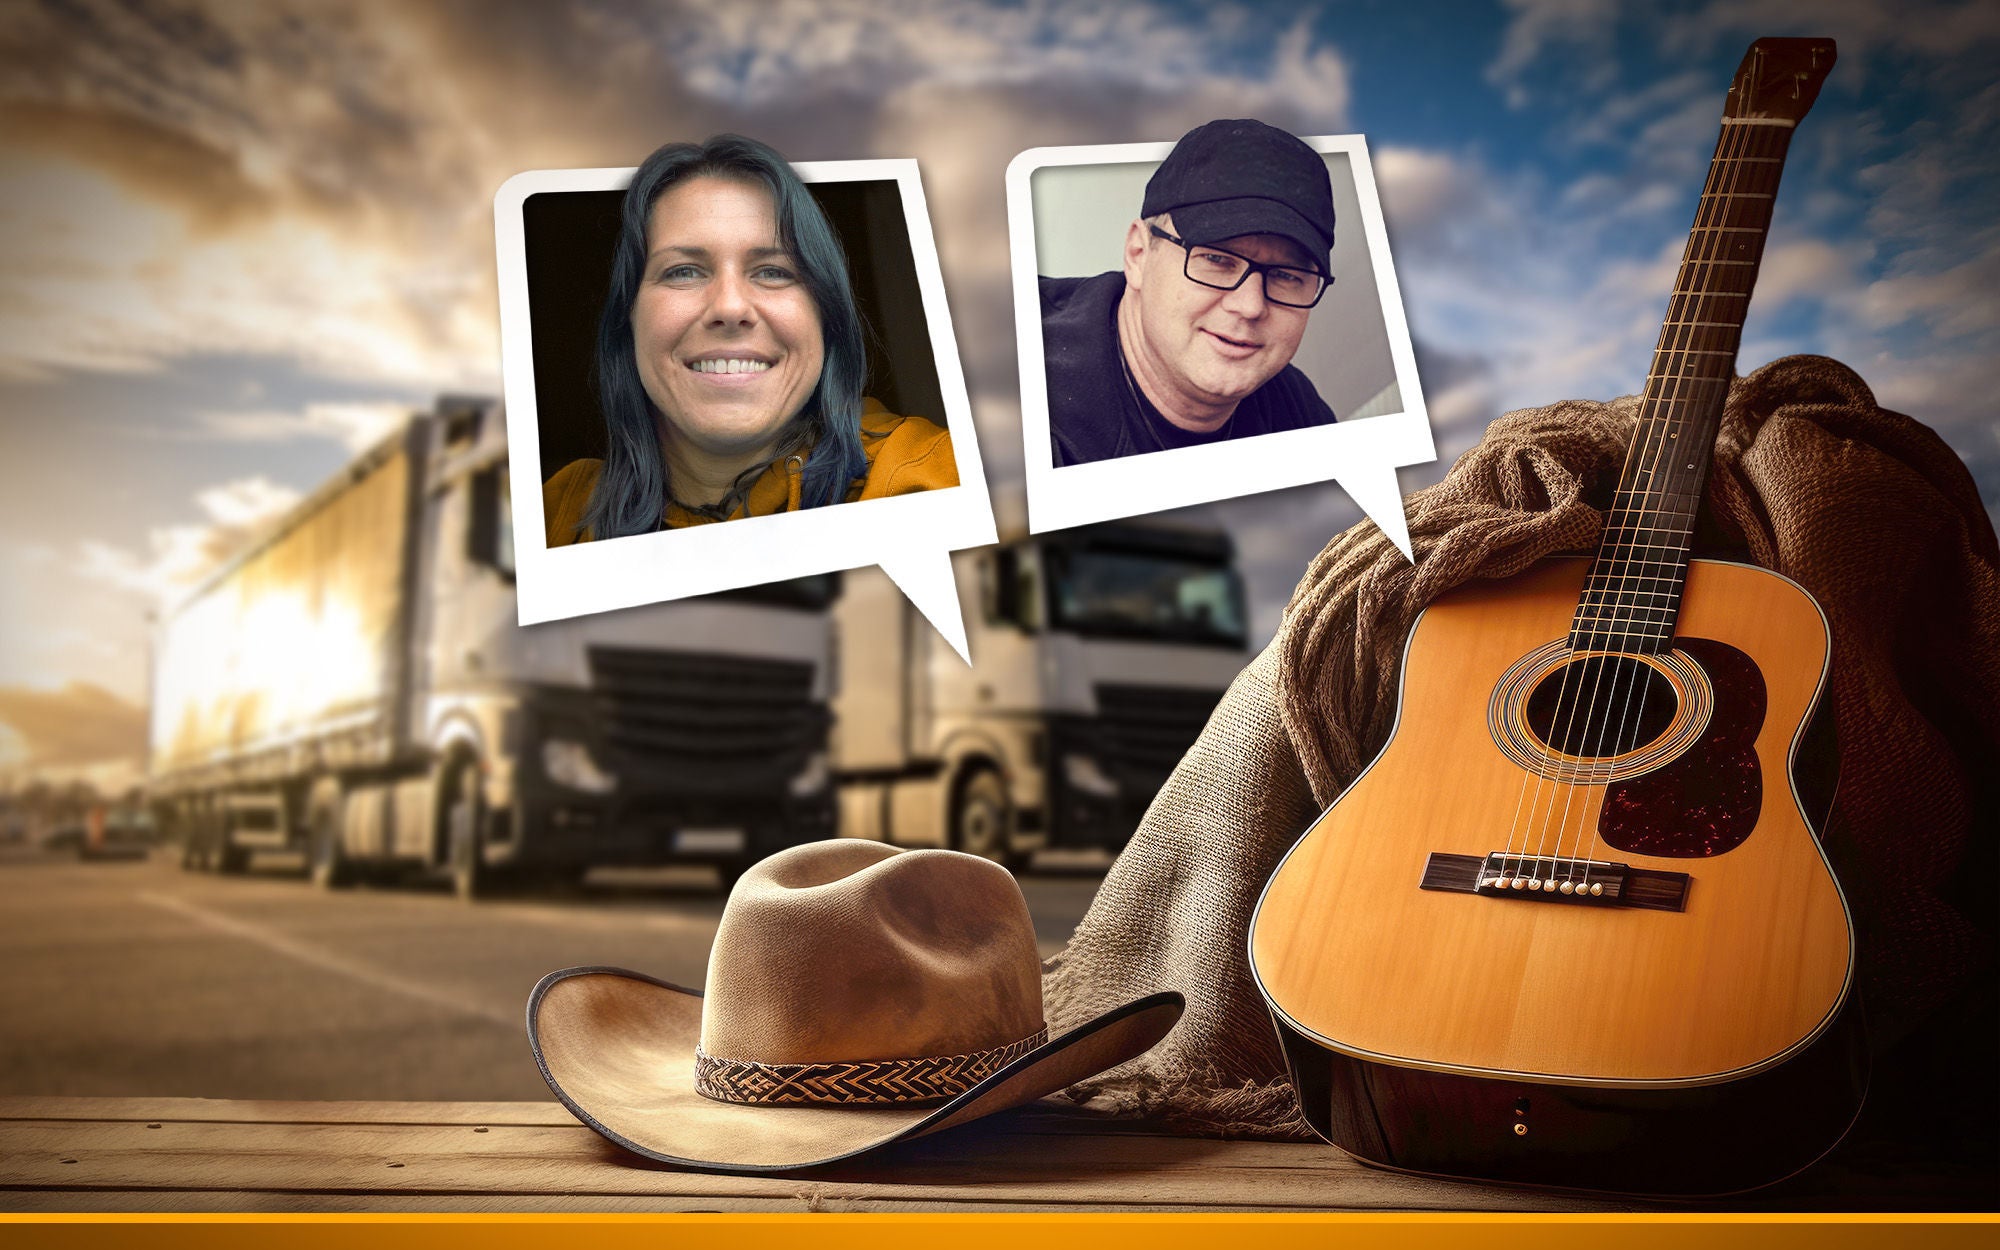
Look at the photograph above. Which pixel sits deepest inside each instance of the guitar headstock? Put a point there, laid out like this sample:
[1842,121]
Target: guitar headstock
[1779,78]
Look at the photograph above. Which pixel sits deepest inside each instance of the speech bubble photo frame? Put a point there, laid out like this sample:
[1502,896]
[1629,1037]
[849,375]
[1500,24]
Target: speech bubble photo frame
[1362,454]
[910,536]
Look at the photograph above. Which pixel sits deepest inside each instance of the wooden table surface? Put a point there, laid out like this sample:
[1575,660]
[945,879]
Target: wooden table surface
[189,1154]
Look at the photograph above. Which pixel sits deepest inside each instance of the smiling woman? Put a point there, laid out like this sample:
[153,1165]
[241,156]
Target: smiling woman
[730,360]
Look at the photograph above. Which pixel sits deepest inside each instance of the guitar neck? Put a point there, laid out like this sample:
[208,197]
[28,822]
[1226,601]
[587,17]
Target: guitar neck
[1632,596]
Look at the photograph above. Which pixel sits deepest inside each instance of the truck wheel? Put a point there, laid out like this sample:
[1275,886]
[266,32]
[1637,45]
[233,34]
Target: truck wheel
[979,821]
[198,848]
[194,852]
[217,853]
[465,836]
[327,866]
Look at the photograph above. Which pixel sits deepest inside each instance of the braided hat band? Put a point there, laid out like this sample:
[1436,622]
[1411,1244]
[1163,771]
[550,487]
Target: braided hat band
[900,1081]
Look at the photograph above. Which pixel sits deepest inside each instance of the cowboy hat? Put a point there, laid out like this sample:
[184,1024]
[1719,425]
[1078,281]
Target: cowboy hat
[857,995]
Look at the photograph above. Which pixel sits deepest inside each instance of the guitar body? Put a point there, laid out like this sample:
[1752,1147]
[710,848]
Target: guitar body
[1684,1032]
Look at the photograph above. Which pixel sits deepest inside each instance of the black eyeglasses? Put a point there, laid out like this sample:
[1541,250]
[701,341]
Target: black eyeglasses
[1225,271]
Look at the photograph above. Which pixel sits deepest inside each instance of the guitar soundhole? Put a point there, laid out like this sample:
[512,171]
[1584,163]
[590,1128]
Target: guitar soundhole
[1601,706]
[1617,715]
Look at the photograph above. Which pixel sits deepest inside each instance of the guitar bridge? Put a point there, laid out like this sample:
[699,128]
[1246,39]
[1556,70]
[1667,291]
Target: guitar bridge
[1556,879]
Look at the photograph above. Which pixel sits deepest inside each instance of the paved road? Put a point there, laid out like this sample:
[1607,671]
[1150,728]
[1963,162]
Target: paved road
[133,978]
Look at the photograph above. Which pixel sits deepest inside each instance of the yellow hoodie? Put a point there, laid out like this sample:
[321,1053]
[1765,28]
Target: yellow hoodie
[905,455]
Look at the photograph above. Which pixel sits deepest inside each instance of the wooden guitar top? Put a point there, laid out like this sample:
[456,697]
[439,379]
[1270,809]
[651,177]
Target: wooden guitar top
[1349,950]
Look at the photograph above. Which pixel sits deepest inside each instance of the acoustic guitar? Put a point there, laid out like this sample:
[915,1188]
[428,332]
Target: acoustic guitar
[1574,926]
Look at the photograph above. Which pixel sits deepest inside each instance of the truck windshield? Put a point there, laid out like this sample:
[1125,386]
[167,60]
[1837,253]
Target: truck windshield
[1143,595]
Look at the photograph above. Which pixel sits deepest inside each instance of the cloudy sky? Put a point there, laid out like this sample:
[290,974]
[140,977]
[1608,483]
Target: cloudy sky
[238,240]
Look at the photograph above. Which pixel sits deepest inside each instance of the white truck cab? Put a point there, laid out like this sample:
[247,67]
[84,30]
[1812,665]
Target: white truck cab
[1098,654]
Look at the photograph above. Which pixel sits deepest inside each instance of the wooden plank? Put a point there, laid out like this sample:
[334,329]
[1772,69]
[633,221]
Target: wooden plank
[133,1154]
[217,1155]
[245,1111]
[529,1160]
[150,1202]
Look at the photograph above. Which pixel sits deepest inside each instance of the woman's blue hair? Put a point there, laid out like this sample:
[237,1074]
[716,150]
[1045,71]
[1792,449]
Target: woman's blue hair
[632,491]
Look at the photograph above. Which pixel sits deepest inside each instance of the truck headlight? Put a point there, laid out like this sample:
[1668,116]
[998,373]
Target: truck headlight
[568,763]
[1084,773]
[812,778]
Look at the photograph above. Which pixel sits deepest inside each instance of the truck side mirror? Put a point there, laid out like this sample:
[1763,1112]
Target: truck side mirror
[982,568]
[999,587]
[489,527]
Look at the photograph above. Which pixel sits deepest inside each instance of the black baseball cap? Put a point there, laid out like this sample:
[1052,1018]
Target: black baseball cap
[1236,177]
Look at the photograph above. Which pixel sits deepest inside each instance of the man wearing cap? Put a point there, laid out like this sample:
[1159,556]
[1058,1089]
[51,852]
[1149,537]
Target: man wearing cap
[1192,342]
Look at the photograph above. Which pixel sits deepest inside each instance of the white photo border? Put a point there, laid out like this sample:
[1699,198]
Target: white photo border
[1356,453]
[553,583]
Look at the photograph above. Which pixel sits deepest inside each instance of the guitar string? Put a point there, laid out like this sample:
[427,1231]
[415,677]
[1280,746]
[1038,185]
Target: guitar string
[1762,171]
[1670,396]
[1601,605]
[1613,627]
[1546,775]
[1692,334]
[1644,547]
[1563,718]
[1541,775]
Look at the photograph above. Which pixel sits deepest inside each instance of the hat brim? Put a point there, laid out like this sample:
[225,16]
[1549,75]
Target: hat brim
[1220,220]
[617,1047]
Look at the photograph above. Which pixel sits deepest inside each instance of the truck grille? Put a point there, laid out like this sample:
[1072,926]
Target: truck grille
[1143,731]
[706,724]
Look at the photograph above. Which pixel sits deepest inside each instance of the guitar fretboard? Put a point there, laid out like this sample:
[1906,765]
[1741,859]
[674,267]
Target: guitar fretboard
[1631,598]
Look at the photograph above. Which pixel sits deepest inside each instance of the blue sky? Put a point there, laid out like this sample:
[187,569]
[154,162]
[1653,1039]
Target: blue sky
[236,241]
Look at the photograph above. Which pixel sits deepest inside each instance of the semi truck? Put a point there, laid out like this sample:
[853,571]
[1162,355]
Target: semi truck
[1098,655]
[353,687]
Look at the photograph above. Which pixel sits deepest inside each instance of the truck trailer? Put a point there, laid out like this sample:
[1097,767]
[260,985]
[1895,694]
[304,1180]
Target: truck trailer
[353,686]
[1098,655]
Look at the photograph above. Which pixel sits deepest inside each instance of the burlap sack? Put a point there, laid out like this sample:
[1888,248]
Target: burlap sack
[1869,511]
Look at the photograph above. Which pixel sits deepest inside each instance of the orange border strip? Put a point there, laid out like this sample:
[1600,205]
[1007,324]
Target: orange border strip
[1001,1231]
